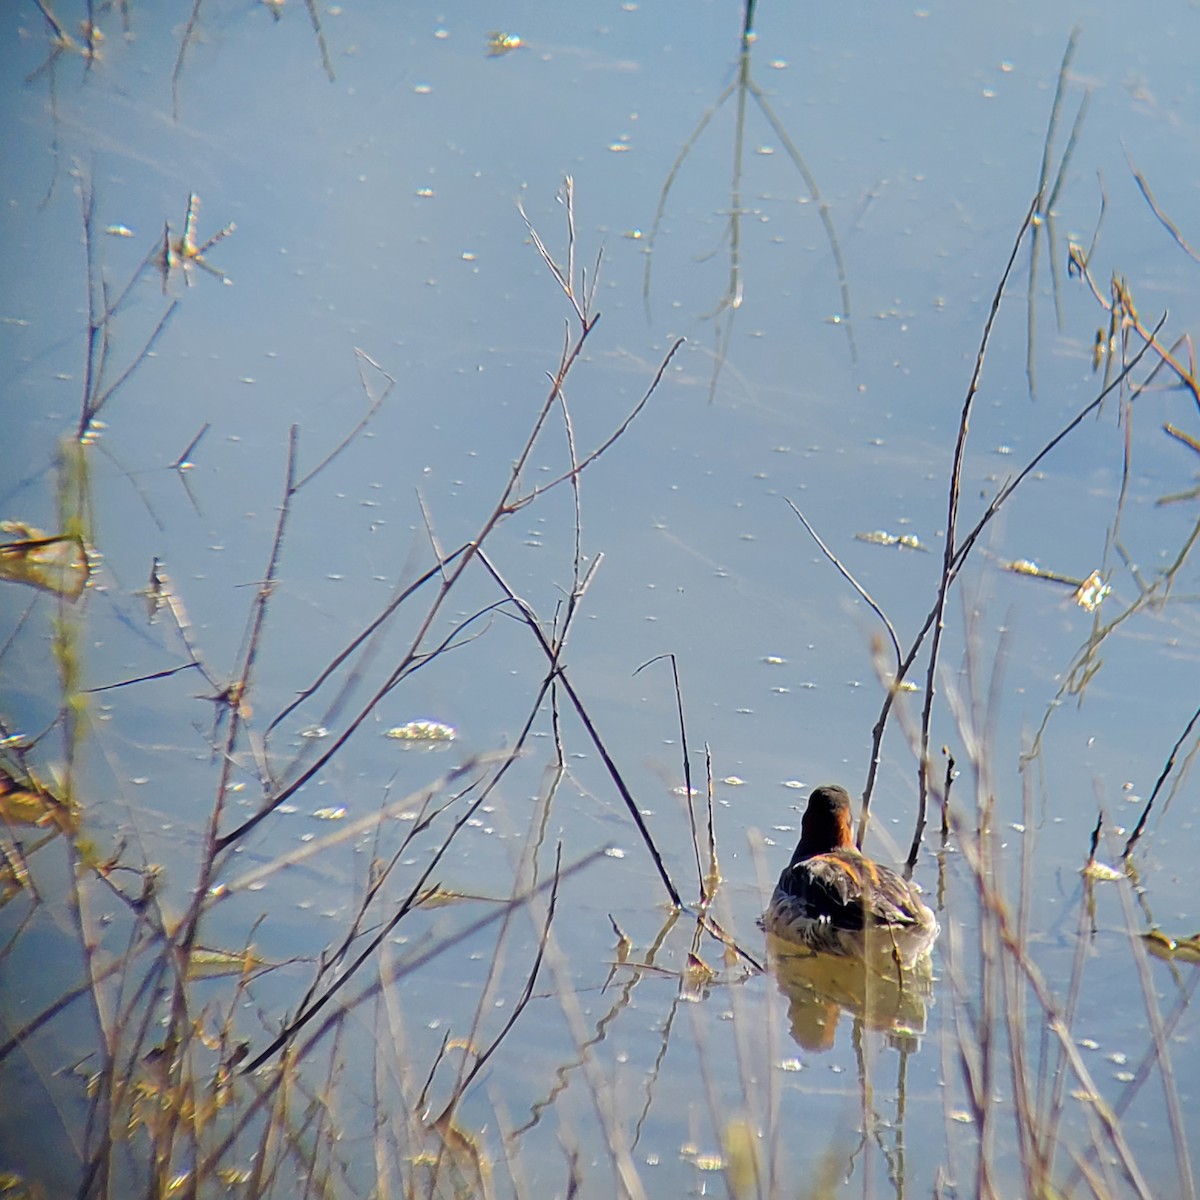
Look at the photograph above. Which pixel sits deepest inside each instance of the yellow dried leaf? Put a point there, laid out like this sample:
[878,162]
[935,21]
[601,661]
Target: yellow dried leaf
[57,564]
[19,807]
[1188,949]
[213,964]
[1101,872]
[439,897]
[27,804]
[1158,944]
[1169,949]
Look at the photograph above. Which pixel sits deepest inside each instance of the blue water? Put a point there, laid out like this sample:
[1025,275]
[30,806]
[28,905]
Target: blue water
[379,212]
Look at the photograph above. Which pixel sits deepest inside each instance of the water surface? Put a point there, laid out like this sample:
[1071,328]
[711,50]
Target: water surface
[379,230]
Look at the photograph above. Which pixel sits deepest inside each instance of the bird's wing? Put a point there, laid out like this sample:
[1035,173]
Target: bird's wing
[829,886]
[841,887]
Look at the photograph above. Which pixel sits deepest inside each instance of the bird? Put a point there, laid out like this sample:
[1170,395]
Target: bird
[832,899]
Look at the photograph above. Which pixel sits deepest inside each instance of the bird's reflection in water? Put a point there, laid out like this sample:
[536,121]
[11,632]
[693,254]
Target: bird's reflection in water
[880,990]
[883,995]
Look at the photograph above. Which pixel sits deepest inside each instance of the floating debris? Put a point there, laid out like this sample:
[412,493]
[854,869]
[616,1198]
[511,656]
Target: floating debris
[436,897]
[314,732]
[906,541]
[1101,872]
[334,813]
[184,253]
[1024,566]
[213,964]
[1089,593]
[24,803]
[624,941]
[500,44]
[57,564]
[157,592]
[119,231]
[422,733]
[1171,949]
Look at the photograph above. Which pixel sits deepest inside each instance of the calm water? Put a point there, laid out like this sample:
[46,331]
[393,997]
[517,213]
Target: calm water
[378,213]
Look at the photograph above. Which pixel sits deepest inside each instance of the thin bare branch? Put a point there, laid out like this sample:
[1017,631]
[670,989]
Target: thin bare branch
[849,578]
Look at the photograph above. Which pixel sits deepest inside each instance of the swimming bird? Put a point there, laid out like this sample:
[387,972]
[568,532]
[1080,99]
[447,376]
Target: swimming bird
[834,899]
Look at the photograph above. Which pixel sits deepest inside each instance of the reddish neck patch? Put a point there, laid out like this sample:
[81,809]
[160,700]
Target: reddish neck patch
[826,824]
